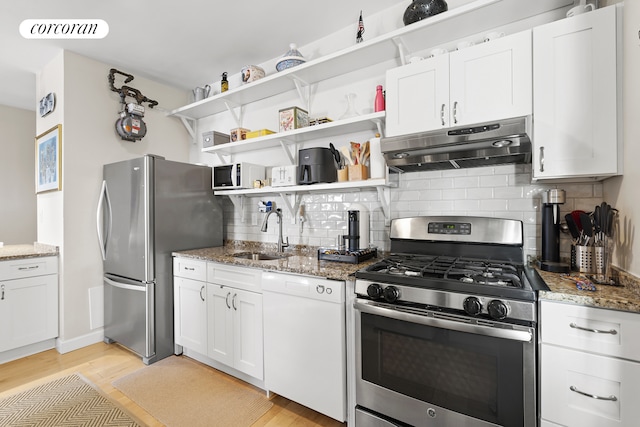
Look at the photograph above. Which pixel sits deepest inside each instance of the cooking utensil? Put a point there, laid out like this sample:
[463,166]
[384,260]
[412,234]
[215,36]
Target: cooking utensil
[347,154]
[355,152]
[587,227]
[576,218]
[336,154]
[573,228]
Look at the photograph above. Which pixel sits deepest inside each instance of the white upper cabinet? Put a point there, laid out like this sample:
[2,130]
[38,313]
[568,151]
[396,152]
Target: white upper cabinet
[577,104]
[489,81]
[492,80]
[418,96]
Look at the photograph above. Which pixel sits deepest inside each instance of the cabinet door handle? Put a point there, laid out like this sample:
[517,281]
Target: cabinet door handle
[227,300]
[541,159]
[189,268]
[2,297]
[596,331]
[612,398]
[442,114]
[233,302]
[455,112]
[201,296]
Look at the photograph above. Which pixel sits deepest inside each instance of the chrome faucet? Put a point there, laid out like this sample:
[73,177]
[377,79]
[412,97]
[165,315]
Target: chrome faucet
[278,212]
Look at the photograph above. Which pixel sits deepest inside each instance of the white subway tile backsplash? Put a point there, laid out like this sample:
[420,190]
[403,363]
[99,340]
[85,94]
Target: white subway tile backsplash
[466,182]
[500,191]
[493,205]
[494,181]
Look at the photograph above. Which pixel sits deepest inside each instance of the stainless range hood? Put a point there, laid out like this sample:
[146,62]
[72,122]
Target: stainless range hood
[485,144]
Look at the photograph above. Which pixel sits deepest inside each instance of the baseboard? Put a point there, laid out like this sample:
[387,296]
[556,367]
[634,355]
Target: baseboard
[27,350]
[65,346]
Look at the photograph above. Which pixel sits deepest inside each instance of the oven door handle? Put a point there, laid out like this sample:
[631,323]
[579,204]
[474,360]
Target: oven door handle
[509,334]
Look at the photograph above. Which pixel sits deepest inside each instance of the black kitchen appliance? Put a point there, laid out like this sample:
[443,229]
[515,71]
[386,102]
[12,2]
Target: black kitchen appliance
[316,165]
[446,326]
[551,201]
[353,238]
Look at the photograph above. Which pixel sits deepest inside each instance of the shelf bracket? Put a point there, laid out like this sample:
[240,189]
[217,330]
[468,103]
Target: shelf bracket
[238,202]
[190,125]
[224,161]
[380,126]
[401,50]
[384,196]
[231,106]
[304,91]
[293,209]
[284,145]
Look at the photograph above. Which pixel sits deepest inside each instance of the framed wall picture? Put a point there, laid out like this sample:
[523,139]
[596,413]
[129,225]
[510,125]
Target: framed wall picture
[49,160]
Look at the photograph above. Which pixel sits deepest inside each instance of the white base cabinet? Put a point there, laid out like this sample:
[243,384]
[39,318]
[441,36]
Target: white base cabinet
[589,365]
[218,313]
[578,100]
[489,81]
[28,301]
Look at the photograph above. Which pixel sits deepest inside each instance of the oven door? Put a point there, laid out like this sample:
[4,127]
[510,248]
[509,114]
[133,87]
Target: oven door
[433,369]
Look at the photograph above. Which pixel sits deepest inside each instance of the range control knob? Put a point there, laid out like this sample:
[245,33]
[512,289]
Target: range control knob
[374,290]
[497,309]
[391,294]
[472,306]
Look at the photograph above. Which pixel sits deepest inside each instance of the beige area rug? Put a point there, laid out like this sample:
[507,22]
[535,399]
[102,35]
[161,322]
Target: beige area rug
[178,391]
[67,401]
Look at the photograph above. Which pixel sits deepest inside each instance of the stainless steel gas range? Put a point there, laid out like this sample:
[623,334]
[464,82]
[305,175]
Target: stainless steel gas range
[446,327]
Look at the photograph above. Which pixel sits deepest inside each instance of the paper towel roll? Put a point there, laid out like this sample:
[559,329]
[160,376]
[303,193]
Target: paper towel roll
[377,164]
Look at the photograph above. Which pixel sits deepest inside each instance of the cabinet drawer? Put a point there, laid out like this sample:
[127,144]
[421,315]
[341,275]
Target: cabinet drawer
[607,332]
[615,381]
[28,267]
[190,268]
[237,277]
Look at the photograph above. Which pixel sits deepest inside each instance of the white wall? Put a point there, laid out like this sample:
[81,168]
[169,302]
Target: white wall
[622,192]
[88,112]
[17,176]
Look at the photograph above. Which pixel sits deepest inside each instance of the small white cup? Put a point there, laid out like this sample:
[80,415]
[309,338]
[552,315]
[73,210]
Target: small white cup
[464,44]
[438,51]
[493,35]
[580,9]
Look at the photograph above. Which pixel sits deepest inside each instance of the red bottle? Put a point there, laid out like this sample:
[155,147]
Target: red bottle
[379,102]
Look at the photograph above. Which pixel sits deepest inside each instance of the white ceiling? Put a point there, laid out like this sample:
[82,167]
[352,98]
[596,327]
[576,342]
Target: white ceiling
[183,43]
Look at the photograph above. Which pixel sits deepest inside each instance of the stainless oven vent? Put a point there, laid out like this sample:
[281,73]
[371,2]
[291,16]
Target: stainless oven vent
[485,144]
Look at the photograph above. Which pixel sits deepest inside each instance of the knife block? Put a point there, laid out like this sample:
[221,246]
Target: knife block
[358,172]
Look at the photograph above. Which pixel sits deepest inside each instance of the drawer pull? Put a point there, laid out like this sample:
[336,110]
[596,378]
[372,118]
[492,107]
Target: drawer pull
[190,268]
[31,267]
[596,331]
[612,398]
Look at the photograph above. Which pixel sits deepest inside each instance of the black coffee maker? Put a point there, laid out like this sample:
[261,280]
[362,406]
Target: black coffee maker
[353,238]
[550,260]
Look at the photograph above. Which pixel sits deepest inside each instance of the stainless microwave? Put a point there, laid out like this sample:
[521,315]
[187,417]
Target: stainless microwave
[237,175]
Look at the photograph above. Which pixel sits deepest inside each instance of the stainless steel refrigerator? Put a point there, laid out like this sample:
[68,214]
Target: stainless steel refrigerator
[150,207]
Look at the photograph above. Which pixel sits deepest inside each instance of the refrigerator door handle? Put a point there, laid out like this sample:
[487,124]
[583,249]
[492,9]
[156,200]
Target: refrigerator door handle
[104,199]
[125,286]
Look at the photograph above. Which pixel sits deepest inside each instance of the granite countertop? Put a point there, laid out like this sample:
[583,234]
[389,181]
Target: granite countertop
[8,252]
[625,296]
[300,259]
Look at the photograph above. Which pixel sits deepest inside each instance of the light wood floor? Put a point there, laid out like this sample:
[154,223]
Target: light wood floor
[102,364]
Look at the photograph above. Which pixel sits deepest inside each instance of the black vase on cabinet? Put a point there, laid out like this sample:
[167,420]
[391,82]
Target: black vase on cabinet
[421,9]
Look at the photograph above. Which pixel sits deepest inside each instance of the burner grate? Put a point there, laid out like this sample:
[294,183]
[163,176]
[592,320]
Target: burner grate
[466,270]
